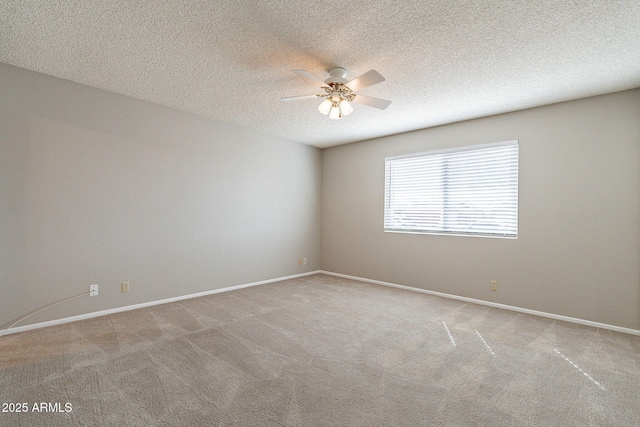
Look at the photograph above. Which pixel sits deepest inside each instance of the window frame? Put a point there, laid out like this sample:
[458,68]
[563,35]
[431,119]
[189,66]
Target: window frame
[510,232]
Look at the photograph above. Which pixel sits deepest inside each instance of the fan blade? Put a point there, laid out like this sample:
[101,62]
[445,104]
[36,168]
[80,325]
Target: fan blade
[309,76]
[367,79]
[371,101]
[295,98]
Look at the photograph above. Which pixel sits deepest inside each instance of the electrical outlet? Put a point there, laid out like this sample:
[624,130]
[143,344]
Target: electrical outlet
[93,290]
[304,261]
[494,285]
[124,287]
[299,261]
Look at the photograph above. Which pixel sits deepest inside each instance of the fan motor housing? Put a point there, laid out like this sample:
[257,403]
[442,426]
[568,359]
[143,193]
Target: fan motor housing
[337,75]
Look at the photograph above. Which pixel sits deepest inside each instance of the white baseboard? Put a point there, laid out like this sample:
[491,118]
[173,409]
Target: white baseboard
[345,276]
[491,304]
[146,304]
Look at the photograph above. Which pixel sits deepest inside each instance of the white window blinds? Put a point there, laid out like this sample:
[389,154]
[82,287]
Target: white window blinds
[469,191]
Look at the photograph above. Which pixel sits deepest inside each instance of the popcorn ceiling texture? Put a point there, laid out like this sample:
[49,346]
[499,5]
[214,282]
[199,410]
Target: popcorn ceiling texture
[231,61]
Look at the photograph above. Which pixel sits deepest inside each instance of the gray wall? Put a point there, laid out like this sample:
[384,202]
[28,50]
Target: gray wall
[100,188]
[578,250]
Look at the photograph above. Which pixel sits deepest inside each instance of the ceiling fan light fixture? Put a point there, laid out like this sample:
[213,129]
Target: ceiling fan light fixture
[345,107]
[335,114]
[325,106]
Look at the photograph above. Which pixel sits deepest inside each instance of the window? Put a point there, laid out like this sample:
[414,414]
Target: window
[465,191]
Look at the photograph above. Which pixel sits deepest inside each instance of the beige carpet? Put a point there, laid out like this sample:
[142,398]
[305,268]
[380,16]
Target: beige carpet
[320,351]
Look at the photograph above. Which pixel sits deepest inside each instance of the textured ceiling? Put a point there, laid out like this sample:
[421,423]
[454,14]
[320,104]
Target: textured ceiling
[444,60]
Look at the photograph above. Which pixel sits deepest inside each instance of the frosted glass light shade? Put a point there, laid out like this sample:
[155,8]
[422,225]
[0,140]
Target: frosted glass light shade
[346,108]
[325,106]
[334,114]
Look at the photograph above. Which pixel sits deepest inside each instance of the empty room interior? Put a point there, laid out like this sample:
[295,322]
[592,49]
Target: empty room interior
[329,213]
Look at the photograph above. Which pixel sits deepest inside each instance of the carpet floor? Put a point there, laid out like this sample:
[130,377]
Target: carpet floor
[319,351]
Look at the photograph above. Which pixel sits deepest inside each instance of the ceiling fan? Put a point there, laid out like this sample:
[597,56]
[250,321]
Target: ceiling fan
[339,92]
